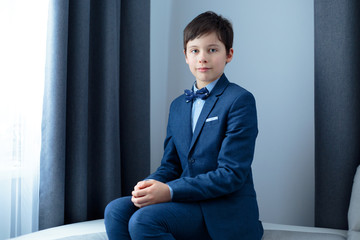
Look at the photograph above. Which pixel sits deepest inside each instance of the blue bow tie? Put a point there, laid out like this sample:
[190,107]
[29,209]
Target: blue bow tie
[202,93]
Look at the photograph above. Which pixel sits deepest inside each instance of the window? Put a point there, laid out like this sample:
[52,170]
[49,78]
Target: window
[22,71]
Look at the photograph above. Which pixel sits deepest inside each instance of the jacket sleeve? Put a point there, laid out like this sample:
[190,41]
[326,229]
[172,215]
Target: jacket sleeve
[234,158]
[170,167]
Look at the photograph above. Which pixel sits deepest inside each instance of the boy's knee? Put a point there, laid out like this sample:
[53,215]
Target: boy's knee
[108,213]
[110,207]
[144,221]
[139,219]
[118,208]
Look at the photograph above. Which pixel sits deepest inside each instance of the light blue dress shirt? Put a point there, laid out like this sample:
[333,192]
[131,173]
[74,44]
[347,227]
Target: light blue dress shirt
[198,104]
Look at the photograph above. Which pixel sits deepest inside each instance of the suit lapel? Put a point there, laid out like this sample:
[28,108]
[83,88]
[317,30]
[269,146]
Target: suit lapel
[208,106]
[186,121]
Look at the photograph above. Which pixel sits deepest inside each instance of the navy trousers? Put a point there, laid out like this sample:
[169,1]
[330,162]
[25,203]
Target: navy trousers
[180,221]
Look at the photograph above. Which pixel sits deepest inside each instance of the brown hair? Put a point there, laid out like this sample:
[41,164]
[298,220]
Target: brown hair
[209,22]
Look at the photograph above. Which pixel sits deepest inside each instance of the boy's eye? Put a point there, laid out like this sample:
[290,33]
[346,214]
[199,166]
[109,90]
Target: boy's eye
[212,50]
[194,51]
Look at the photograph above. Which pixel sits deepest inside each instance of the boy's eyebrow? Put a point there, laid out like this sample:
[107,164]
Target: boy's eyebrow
[210,45]
[213,45]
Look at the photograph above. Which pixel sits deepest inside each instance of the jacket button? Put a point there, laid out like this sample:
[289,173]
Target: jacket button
[191,160]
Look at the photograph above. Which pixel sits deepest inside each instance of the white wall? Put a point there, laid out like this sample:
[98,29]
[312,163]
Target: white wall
[274,52]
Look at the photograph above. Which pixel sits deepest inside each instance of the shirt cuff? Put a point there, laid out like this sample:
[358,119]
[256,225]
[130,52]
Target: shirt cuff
[171,191]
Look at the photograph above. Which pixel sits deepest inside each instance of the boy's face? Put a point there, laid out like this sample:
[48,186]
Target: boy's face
[207,57]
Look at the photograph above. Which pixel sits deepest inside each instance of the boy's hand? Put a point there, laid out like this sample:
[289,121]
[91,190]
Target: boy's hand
[150,192]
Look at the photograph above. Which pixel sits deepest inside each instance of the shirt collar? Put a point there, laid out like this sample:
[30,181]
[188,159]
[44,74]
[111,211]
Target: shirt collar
[209,87]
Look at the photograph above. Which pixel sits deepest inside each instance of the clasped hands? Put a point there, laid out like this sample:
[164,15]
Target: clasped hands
[149,192]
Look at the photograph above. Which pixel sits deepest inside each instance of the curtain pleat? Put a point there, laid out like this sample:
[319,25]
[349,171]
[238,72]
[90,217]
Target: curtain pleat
[96,117]
[337,108]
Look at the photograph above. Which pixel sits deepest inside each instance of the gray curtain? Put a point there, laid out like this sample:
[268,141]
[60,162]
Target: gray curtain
[95,129]
[337,108]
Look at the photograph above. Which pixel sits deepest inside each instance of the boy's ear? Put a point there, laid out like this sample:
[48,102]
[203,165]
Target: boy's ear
[186,60]
[230,55]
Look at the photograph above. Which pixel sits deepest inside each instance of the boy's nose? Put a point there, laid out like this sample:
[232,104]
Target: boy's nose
[202,59]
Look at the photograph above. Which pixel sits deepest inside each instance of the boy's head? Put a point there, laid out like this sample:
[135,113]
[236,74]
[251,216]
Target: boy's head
[208,47]
[209,22]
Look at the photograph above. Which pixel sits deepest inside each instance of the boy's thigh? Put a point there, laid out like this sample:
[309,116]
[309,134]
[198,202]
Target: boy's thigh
[182,220]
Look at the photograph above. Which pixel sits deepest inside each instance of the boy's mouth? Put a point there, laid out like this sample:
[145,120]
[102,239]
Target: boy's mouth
[203,69]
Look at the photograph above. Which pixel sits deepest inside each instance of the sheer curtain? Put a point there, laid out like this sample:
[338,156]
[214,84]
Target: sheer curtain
[22,60]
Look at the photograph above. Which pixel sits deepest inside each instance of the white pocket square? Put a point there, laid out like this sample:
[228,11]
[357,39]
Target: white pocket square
[212,119]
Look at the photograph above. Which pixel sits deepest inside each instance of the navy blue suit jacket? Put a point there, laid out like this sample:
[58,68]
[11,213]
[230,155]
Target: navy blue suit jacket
[213,165]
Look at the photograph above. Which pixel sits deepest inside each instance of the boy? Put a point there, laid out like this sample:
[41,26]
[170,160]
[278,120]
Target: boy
[203,188]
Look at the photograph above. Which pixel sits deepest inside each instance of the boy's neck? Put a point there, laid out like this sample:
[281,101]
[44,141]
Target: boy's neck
[202,84]
[208,85]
